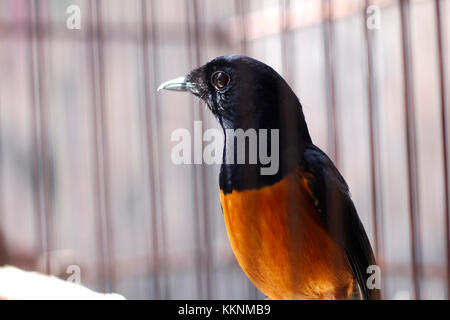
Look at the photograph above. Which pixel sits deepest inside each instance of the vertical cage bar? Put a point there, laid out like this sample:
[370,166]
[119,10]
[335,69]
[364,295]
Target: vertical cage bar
[241,9]
[97,193]
[197,236]
[286,54]
[2,161]
[4,259]
[41,158]
[4,256]
[444,114]
[203,249]
[201,175]
[104,232]
[286,49]
[149,116]
[328,34]
[2,157]
[411,147]
[376,196]
[158,165]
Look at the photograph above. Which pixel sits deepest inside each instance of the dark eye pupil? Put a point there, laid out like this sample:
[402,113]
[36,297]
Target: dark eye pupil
[220,79]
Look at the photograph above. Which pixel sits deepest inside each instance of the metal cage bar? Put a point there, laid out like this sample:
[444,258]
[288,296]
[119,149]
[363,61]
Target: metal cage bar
[149,119]
[42,191]
[328,35]
[158,165]
[286,49]
[241,8]
[444,125]
[100,151]
[409,109]
[376,193]
[202,238]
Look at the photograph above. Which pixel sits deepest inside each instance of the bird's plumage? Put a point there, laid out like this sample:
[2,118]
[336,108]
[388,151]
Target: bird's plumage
[332,198]
[295,233]
[281,243]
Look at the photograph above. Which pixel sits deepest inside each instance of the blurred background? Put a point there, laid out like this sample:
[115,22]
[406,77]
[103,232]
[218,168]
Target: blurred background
[85,141]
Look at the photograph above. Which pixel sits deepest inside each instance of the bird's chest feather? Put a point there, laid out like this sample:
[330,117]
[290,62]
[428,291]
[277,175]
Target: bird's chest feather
[279,241]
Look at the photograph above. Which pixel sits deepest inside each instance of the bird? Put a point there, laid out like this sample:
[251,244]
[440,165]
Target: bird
[295,233]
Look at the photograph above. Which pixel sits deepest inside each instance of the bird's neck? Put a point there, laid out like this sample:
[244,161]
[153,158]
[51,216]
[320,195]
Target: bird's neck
[281,156]
[286,133]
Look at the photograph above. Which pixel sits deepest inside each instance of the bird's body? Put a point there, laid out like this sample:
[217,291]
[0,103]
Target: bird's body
[295,233]
[281,243]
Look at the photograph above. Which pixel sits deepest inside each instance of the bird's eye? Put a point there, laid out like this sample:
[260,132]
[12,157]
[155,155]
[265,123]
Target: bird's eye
[220,79]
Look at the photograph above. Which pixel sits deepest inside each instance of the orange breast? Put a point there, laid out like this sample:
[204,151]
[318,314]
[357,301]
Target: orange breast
[278,239]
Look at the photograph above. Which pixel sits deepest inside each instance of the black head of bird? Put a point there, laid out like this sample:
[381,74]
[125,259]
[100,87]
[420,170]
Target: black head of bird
[244,93]
[240,91]
[296,233]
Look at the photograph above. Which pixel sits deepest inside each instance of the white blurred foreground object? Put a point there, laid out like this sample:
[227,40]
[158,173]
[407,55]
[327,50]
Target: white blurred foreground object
[16,284]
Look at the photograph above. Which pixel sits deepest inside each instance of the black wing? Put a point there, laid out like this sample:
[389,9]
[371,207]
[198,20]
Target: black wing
[339,215]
